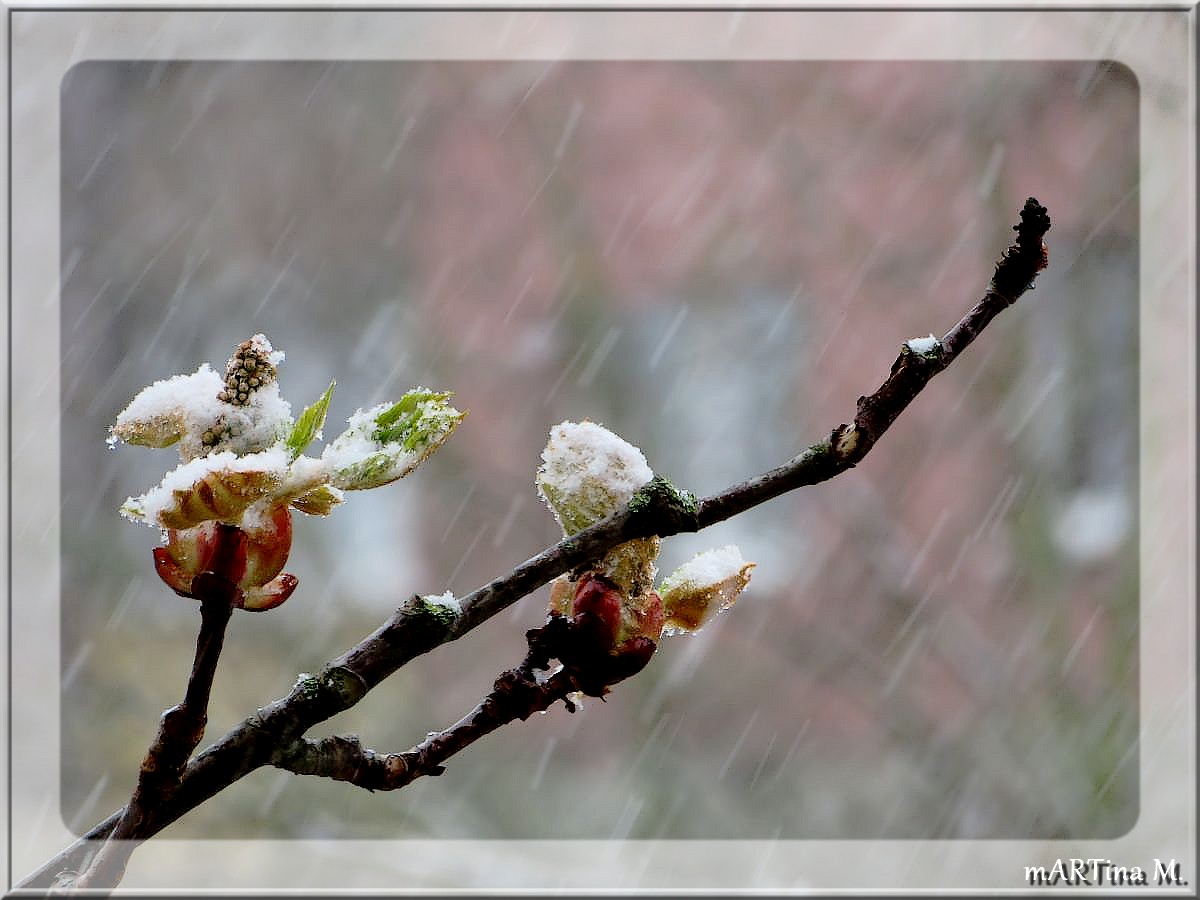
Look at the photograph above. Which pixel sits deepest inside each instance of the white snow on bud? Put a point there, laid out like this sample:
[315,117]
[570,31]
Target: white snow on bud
[304,474]
[924,345]
[708,568]
[446,600]
[185,409]
[707,584]
[162,412]
[264,420]
[588,473]
[355,445]
[257,516]
[262,345]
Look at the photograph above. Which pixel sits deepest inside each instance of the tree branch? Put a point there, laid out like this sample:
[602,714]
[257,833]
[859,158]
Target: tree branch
[179,732]
[658,509]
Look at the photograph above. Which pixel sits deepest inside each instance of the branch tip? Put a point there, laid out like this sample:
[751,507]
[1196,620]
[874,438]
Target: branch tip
[1021,262]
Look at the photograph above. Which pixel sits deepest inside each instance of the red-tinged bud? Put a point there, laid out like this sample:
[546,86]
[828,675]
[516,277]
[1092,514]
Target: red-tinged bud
[612,636]
[173,575]
[597,596]
[644,617]
[271,594]
[267,547]
[631,657]
[252,559]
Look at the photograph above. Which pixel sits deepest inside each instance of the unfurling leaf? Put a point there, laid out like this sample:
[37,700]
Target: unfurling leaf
[398,422]
[388,441]
[309,425]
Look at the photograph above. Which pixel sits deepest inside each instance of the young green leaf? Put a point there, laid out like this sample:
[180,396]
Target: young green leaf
[308,426]
[319,501]
[389,440]
[398,422]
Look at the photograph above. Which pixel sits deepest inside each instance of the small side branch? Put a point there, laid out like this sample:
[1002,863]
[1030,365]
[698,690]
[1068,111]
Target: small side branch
[516,694]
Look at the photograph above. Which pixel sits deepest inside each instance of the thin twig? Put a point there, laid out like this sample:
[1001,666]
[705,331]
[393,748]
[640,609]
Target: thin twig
[418,627]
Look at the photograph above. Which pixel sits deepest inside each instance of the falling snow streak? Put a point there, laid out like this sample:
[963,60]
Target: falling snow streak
[668,336]
[598,357]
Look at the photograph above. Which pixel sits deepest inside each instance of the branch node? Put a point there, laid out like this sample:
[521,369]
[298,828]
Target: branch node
[437,617]
[845,440]
[663,508]
[343,686]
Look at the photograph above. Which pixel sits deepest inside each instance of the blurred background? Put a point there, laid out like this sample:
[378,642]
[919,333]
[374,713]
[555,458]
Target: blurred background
[714,259]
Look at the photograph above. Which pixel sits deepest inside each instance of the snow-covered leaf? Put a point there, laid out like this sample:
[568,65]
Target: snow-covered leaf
[319,501]
[702,587]
[188,410]
[388,441]
[220,487]
[161,414]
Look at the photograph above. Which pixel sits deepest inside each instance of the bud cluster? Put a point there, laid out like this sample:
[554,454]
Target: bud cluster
[247,370]
[616,616]
[226,509]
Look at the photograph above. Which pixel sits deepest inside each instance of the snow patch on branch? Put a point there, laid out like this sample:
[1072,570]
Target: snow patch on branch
[445,600]
[923,345]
